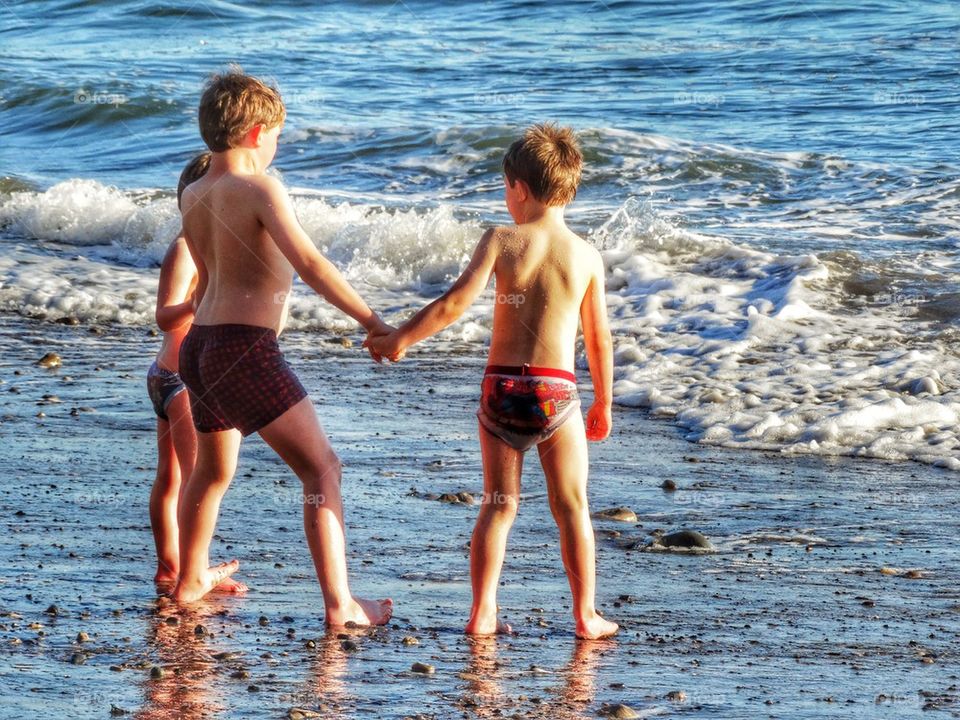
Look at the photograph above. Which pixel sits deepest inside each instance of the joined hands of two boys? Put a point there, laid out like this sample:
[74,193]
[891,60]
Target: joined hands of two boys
[382,342]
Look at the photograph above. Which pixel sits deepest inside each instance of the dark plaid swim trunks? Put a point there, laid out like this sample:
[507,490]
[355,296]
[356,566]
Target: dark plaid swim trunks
[237,377]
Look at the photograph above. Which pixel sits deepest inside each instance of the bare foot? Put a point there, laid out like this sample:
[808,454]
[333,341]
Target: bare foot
[361,612]
[487,625]
[165,577]
[211,578]
[596,628]
[231,587]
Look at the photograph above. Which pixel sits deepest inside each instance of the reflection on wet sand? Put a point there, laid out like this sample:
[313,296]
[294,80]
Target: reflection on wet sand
[184,682]
[570,699]
[326,689]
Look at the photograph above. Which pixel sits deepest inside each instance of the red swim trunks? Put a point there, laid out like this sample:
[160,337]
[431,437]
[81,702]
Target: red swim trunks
[523,406]
[237,377]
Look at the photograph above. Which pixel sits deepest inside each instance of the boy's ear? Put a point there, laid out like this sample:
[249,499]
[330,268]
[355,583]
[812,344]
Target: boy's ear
[255,135]
[522,190]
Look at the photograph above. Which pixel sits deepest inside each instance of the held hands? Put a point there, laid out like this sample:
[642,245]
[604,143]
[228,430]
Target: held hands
[599,421]
[382,342]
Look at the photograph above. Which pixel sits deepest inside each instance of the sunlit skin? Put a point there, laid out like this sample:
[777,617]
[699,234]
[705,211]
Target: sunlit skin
[561,280]
[176,437]
[245,238]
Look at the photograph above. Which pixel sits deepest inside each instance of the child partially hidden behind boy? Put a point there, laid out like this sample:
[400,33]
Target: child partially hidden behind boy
[241,229]
[529,392]
[176,437]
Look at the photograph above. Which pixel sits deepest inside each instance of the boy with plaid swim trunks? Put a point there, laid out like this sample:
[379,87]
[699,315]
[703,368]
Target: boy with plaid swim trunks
[242,232]
[547,278]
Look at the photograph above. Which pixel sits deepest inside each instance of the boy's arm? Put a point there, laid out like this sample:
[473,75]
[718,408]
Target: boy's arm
[451,305]
[278,217]
[175,305]
[599,347]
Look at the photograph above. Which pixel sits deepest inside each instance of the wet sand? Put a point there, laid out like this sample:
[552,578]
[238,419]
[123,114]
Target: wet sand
[833,589]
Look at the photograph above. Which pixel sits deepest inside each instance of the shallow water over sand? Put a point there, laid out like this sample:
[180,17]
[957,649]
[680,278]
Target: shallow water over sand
[807,609]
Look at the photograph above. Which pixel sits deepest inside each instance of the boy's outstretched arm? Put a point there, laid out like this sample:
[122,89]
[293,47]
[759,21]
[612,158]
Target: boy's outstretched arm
[277,216]
[175,304]
[448,307]
[599,347]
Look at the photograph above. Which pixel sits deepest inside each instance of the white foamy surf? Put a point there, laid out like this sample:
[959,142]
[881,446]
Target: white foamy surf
[740,347]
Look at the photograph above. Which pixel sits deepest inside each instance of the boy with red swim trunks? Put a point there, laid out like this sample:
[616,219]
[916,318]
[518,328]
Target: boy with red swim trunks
[547,278]
[176,436]
[242,232]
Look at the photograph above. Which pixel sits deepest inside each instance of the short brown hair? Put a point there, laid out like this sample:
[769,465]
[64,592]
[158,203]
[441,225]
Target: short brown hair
[548,159]
[232,103]
[194,170]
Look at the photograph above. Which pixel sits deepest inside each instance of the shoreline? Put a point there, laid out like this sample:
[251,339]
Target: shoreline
[808,595]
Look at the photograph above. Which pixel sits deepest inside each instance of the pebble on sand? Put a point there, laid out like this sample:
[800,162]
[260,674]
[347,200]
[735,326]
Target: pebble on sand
[82,637]
[676,696]
[668,486]
[410,640]
[621,514]
[301,714]
[50,360]
[618,711]
[422,668]
[685,539]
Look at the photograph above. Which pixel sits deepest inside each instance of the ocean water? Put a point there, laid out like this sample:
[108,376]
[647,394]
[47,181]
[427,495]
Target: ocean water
[774,185]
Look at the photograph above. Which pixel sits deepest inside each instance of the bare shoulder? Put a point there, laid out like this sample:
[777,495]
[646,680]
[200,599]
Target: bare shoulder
[588,254]
[177,252]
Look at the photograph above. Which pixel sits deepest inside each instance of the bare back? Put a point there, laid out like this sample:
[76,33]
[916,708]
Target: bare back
[542,275]
[244,278]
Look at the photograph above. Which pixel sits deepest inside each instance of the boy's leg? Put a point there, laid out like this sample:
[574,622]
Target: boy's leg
[163,506]
[298,439]
[565,464]
[185,443]
[502,466]
[216,463]
[184,435]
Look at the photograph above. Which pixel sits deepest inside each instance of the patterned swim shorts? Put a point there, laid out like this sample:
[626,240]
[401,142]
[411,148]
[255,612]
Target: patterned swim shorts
[163,386]
[523,406]
[237,377]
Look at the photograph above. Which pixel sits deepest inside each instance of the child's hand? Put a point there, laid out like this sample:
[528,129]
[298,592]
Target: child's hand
[599,421]
[383,342]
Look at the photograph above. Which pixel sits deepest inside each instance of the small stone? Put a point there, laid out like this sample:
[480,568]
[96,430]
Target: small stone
[253,688]
[346,342]
[200,631]
[156,672]
[301,714]
[82,637]
[78,659]
[466,498]
[668,486]
[310,644]
[686,539]
[264,621]
[349,646]
[422,668]
[410,640]
[240,675]
[618,711]
[913,575]
[172,620]
[676,696]
[116,711]
[620,514]
[52,610]
[449,498]
[50,360]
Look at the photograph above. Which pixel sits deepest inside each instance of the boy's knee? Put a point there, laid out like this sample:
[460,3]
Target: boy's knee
[567,504]
[328,469]
[503,504]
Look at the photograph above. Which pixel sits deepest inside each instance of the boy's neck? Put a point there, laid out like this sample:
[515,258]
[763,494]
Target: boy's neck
[236,161]
[536,212]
